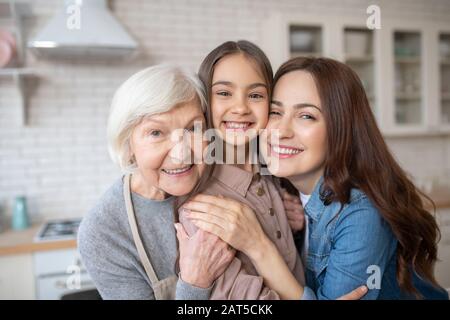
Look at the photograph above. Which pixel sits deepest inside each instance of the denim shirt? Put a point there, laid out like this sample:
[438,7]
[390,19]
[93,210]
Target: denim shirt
[353,247]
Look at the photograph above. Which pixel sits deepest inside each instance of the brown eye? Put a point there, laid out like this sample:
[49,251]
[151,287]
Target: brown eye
[256,96]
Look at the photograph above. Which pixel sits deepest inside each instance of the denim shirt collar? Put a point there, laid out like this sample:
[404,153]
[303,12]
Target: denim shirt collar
[315,206]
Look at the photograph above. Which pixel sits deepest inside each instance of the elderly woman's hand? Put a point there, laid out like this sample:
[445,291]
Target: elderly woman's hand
[203,257]
[230,220]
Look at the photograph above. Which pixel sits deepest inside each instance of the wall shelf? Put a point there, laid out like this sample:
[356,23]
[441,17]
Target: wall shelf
[359,59]
[407,60]
[18,76]
[16,72]
[10,19]
[407,96]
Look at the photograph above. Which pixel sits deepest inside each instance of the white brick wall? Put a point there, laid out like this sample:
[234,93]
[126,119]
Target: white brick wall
[60,161]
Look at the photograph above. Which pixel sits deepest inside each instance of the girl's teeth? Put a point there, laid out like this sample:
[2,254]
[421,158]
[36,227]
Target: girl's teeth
[237,125]
[285,150]
[176,171]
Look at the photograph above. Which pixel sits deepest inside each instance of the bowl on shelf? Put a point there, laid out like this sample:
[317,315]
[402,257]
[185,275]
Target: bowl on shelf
[357,44]
[7,48]
[302,41]
[444,49]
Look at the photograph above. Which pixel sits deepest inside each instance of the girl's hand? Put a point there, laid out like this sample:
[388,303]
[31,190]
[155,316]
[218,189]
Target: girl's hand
[294,211]
[230,220]
[203,257]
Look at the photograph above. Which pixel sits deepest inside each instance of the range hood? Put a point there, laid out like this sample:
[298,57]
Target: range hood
[98,32]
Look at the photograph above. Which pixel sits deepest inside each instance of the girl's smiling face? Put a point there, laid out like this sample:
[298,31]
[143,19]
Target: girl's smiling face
[239,99]
[298,146]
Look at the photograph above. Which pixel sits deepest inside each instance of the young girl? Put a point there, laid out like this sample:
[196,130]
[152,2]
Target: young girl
[238,78]
[366,220]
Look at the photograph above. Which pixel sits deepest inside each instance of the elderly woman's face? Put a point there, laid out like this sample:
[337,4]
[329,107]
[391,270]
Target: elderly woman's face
[164,159]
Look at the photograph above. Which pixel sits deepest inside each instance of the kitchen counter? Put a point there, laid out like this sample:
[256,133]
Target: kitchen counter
[20,242]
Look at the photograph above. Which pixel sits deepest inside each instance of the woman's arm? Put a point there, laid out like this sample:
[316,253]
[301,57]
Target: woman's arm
[363,247]
[269,262]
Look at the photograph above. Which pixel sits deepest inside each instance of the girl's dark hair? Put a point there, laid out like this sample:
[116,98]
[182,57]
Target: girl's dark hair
[358,157]
[205,73]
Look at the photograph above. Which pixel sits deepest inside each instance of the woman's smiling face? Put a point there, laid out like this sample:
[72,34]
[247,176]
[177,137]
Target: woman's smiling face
[239,100]
[297,147]
[160,158]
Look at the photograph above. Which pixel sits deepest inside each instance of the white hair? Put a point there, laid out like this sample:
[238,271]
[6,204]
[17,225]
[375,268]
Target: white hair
[154,90]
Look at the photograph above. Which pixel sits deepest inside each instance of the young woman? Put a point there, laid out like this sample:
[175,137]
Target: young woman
[366,220]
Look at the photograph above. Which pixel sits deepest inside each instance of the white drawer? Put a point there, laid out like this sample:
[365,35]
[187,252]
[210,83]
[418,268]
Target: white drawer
[54,287]
[55,261]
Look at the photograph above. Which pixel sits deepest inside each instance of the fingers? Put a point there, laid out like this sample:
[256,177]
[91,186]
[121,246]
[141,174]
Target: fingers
[291,205]
[209,208]
[211,228]
[296,226]
[209,237]
[221,201]
[208,212]
[294,216]
[356,294]
[287,196]
[181,233]
[296,213]
[201,216]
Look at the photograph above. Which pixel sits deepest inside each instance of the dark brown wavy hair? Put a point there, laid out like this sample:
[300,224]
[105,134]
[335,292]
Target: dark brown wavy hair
[358,157]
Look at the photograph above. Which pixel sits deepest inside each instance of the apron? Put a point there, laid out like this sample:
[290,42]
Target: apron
[162,289]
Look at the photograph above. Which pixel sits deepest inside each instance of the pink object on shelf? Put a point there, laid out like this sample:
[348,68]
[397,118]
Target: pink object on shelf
[7,48]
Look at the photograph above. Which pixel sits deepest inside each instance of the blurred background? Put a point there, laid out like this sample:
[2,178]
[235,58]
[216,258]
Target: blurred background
[61,61]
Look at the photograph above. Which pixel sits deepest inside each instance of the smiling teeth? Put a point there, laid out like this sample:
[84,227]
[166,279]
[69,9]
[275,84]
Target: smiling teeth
[237,125]
[285,150]
[177,171]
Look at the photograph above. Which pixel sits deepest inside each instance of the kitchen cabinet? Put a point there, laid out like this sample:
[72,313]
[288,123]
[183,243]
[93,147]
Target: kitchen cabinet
[16,277]
[359,55]
[444,71]
[408,93]
[404,66]
[39,270]
[59,272]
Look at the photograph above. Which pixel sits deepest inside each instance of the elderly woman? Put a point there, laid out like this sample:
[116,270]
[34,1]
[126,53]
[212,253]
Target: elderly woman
[127,241]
